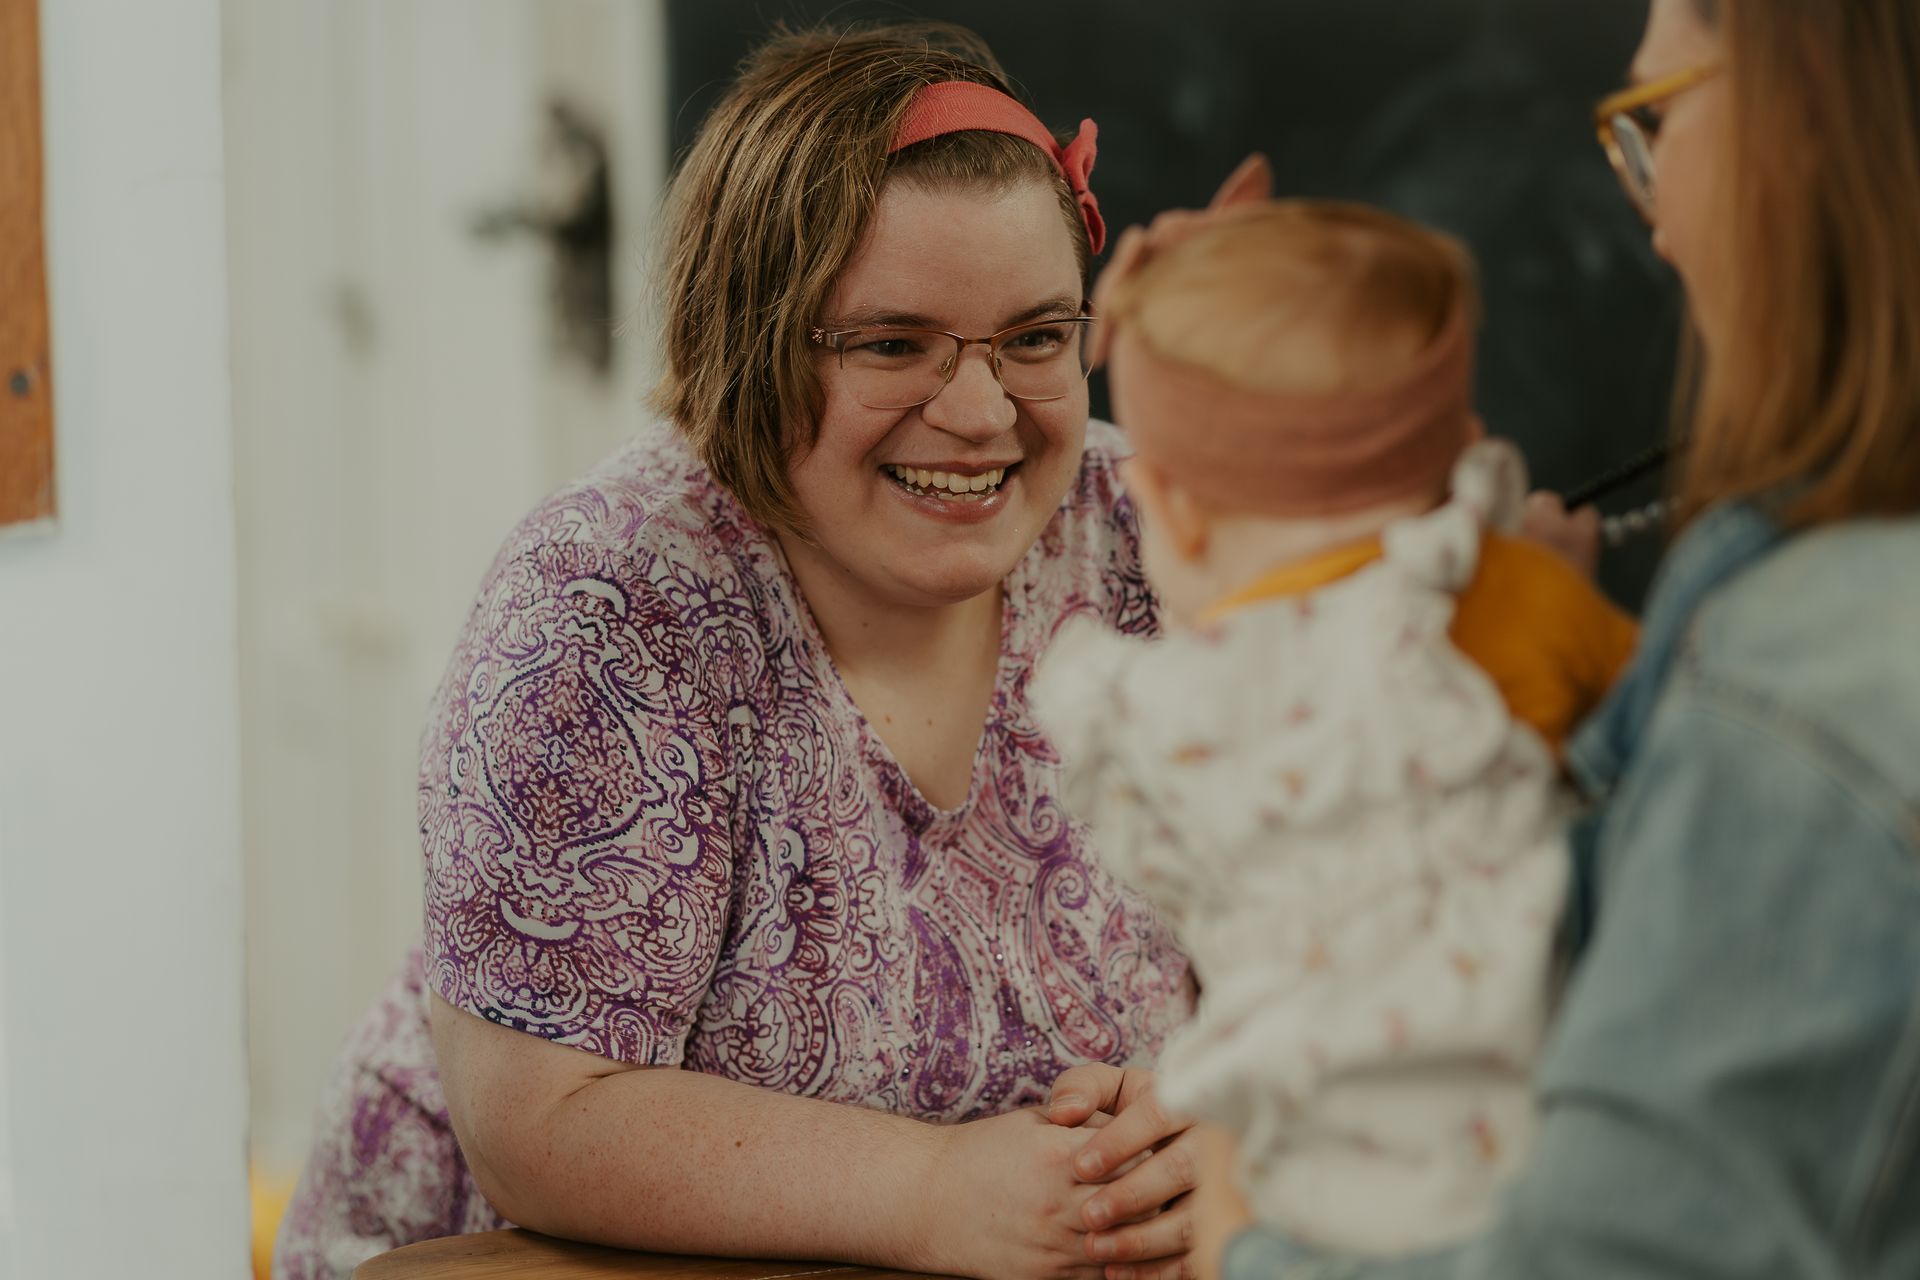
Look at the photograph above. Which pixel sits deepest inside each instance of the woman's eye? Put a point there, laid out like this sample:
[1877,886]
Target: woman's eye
[1649,117]
[887,348]
[1038,340]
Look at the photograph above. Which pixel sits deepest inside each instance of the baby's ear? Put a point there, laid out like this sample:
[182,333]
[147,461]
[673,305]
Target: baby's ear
[1251,183]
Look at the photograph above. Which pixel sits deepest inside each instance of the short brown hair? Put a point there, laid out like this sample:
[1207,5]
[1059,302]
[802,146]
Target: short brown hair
[1813,392]
[769,205]
[1303,296]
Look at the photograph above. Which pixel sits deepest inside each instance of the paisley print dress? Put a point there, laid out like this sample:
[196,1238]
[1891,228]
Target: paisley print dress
[657,828]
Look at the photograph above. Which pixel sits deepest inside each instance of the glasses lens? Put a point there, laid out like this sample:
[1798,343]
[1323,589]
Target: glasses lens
[1045,360]
[896,368]
[1633,156]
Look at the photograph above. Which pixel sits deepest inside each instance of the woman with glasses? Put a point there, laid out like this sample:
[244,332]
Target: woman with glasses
[1733,1088]
[752,924]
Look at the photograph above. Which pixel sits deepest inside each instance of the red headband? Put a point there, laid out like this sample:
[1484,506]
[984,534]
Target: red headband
[960,106]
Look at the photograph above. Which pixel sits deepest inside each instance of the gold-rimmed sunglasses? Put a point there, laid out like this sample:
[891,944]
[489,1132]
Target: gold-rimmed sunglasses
[1627,127]
[891,367]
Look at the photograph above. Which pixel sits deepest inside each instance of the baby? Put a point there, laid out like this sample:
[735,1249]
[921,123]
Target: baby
[1336,774]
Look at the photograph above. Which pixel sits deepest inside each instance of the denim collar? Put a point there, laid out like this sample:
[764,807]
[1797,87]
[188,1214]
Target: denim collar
[1715,549]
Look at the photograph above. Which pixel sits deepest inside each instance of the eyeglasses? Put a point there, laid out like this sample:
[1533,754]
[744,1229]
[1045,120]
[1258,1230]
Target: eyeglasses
[894,368]
[1627,127]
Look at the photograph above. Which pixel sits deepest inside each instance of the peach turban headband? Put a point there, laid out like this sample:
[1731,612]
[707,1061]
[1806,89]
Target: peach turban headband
[1273,453]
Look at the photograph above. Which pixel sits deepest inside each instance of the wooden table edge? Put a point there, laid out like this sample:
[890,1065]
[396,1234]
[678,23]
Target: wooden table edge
[487,1255]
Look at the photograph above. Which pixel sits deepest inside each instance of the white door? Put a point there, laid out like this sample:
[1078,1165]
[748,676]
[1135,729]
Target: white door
[399,401]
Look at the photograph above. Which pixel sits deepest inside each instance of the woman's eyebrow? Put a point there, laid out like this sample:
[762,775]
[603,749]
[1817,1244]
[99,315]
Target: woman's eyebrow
[1052,308]
[878,317]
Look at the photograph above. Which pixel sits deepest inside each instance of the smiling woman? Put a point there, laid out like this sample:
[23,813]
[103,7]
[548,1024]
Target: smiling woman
[752,921]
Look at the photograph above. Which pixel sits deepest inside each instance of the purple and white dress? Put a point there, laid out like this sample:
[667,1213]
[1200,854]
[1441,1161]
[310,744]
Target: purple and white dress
[657,828]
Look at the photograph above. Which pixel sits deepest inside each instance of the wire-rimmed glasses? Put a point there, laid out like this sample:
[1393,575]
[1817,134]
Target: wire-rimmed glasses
[893,367]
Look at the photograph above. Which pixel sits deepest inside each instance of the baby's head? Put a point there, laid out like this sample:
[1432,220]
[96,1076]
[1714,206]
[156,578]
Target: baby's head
[1295,375]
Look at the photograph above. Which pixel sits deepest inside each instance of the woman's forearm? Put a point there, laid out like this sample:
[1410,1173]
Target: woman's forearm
[677,1161]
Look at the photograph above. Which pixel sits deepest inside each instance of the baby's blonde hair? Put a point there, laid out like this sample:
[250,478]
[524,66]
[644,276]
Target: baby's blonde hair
[1303,297]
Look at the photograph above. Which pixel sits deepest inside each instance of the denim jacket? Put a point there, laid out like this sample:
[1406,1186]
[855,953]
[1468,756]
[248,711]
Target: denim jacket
[1732,1088]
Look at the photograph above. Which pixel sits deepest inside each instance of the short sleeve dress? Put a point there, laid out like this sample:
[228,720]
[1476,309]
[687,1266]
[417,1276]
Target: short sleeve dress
[657,828]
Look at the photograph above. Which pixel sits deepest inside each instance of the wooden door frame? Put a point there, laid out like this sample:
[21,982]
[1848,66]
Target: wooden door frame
[26,366]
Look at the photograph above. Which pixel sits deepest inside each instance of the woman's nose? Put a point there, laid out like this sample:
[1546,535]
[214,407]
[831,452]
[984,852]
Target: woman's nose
[973,404]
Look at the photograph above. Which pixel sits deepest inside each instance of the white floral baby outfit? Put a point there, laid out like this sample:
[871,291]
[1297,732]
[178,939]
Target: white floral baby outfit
[1363,853]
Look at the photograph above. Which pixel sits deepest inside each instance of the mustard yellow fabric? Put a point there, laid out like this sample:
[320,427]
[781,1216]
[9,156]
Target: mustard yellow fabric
[1551,642]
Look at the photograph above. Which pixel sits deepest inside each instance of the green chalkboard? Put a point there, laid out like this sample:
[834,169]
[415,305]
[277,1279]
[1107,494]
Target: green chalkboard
[1471,115]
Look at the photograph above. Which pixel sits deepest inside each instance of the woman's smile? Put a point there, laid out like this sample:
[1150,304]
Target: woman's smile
[953,492]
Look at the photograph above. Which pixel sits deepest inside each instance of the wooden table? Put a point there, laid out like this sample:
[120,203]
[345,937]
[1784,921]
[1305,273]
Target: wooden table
[490,1254]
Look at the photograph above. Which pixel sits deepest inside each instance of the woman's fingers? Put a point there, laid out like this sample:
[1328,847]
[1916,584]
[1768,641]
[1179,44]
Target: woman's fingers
[1081,1091]
[1141,1125]
[1164,1176]
[1164,1235]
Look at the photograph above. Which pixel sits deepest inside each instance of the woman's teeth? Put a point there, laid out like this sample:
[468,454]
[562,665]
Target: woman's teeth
[947,484]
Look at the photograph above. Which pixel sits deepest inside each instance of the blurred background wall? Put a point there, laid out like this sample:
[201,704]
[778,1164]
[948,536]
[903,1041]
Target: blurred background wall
[440,214]
[410,377]
[121,1013]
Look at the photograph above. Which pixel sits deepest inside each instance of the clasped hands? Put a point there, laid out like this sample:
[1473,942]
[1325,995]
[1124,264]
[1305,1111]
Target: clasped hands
[1166,1202]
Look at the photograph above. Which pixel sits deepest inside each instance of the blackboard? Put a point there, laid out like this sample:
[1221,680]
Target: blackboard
[1471,115]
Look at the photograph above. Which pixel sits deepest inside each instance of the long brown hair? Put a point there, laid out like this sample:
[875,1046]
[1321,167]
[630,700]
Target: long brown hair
[767,208]
[1813,392]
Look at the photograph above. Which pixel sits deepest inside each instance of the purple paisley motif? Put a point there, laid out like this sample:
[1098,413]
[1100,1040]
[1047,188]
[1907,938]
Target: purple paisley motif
[947,1073]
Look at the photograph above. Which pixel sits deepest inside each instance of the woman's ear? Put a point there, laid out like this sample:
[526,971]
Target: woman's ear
[1175,515]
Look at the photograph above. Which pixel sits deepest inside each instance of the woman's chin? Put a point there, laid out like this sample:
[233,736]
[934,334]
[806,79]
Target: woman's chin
[957,562]
[947,570]
[954,578]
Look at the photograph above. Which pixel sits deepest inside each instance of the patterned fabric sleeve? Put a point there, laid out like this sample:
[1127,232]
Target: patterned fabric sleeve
[576,804]
[1130,607]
